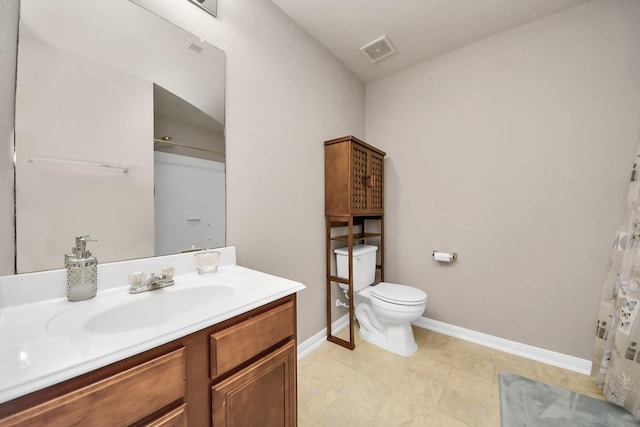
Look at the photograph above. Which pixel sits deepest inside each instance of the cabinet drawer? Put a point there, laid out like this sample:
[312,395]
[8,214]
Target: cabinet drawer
[239,343]
[115,401]
[175,418]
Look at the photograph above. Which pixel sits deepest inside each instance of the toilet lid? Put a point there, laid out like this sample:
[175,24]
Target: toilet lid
[398,294]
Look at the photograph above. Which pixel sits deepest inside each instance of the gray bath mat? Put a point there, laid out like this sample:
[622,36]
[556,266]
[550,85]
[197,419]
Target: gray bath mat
[525,402]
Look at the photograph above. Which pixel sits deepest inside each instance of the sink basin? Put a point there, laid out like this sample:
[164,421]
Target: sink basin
[125,312]
[158,308]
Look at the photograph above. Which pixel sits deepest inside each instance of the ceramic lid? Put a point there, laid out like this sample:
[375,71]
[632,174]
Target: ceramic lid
[399,294]
[357,250]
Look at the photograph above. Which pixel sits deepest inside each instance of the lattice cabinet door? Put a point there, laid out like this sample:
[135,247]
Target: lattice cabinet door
[354,177]
[375,194]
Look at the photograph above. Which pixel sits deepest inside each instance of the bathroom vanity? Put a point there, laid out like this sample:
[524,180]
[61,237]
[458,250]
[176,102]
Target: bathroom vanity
[233,363]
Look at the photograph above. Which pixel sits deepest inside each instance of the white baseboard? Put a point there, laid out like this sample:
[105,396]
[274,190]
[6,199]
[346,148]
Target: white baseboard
[316,340]
[538,354]
[549,357]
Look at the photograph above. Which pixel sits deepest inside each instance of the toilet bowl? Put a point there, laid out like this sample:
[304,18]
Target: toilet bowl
[385,311]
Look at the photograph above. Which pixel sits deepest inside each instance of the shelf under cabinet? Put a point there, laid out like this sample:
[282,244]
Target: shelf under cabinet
[357,236]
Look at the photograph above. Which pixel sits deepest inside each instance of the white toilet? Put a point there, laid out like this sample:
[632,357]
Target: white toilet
[385,311]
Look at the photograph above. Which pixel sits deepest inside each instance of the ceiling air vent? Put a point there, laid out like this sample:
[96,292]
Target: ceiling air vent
[378,49]
[192,46]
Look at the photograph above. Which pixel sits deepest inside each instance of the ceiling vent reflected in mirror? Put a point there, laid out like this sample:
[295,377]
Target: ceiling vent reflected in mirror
[211,6]
[378,49]
[194,47]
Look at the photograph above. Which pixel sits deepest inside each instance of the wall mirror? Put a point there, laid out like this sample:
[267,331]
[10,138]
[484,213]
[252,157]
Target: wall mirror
[119,134]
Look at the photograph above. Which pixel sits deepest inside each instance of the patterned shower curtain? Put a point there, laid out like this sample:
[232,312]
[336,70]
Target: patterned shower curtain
[616,356]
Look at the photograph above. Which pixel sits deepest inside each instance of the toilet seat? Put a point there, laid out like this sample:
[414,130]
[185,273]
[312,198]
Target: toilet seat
[398,294]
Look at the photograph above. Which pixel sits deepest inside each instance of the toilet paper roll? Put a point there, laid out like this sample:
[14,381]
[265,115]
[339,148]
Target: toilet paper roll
[443,256]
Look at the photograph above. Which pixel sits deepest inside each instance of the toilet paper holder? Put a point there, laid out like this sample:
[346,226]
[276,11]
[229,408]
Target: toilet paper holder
[444,256]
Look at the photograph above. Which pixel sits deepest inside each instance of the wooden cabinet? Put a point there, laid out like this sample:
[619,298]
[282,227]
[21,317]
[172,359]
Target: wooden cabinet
[263,393]
[354,199]
[259,395]
[197,380]
[353,178]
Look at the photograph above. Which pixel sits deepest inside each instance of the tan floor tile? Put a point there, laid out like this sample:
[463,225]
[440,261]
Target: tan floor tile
[514,364]
[398,410]
[346,412]
[394,359]
[552,375]
[568,380]
[464,406]
[429,339]
[378,364]
[447,382]
[328,369]
[305,421]
[367,392]
[430,368]
[473,348]
[415,387]
[480,364]
[467,382]
[495,392]
[314,397]
[494,416]
[354,359]
[585,385]
[442,420]
[388,373]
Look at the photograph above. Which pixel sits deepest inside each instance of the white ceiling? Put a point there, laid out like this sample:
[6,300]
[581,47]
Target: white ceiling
[418,29]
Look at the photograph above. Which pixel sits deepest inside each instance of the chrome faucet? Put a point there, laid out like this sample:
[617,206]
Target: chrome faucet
[154,282]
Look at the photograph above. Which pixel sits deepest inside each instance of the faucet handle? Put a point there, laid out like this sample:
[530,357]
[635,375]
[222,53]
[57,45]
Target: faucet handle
[168,272]
[137,279]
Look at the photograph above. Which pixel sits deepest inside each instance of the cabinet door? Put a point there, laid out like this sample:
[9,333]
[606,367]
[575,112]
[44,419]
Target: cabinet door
[375,195]
[367,180]
[359,178]
[263,394]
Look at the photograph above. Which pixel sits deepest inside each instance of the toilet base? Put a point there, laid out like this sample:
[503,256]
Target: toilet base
[397,339]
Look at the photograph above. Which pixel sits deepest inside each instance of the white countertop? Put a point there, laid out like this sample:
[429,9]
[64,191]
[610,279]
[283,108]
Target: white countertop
[46,341]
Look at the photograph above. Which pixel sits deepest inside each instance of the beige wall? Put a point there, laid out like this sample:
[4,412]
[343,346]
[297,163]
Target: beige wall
[285,95]
[515,152]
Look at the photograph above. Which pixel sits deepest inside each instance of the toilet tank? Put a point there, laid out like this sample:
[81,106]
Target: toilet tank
[364,265]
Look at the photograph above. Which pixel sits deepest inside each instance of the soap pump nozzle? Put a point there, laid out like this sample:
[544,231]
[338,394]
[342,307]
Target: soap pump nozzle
[80,250]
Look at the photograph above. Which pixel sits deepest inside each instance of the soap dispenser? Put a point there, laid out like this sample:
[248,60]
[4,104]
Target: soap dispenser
[82,271]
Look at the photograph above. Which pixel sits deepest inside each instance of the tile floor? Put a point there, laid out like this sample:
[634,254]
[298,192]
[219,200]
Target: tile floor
[447,382]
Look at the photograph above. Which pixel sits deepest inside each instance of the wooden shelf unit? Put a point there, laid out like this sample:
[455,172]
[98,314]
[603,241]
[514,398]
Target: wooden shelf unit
[354,198]
[351,239]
